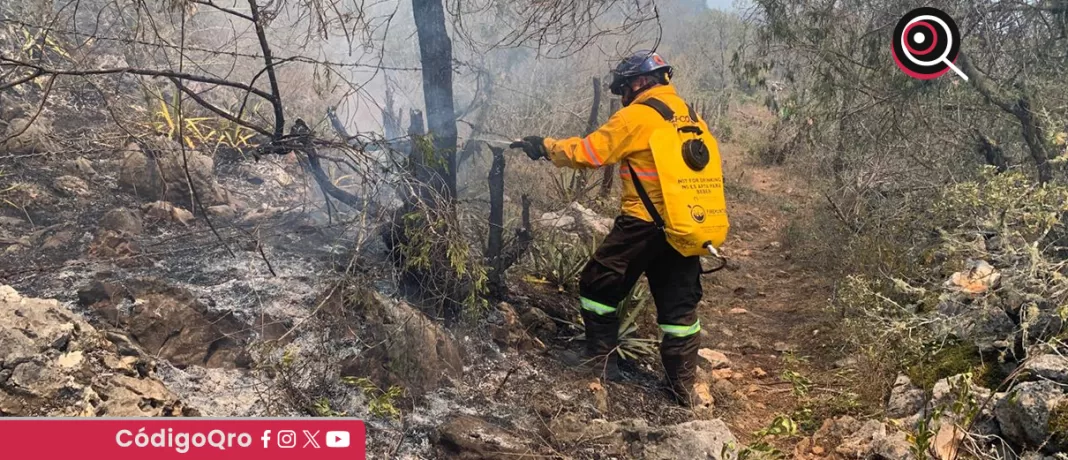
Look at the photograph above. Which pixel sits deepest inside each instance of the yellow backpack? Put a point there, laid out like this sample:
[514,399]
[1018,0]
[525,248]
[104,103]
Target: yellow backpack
[691,179]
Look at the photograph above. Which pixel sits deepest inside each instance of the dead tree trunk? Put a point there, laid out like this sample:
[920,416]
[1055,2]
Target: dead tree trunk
[498,259]
[435,51]
[495,244]
[1019,106]
[610,170]
[391,120]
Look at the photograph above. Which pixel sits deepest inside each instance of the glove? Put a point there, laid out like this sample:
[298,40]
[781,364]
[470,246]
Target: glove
[533,146]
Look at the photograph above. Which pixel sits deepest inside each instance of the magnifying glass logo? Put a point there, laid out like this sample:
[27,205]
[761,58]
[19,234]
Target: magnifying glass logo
[926,43]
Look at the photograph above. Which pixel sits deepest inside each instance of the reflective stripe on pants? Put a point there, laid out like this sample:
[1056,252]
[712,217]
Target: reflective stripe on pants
[681,331]
[596,307]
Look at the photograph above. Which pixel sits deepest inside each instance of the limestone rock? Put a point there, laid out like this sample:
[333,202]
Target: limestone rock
[947,392]
[635,438]
[58,240]
[171,323]
[71,186]
[905,399]
[471,438]
[1024,414]
[408,349]
[508,331]
[23,134]
[56,364]
[122,220]
[222,211]
[84,167]
[163,176]
[164,212]
[107,244]
[852,438]
[983,325]
[704,439]
[1049,367]
[575,217]
[538,323]
[714,359]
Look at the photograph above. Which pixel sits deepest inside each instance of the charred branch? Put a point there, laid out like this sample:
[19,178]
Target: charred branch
[42,70]
[301,138]
[498,257]
[339,127]
[992,152]
[268,61]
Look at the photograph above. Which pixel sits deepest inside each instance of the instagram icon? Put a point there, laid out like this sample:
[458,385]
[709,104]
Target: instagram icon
[287,439]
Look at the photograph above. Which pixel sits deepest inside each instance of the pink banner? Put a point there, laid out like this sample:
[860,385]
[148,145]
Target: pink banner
[197,438]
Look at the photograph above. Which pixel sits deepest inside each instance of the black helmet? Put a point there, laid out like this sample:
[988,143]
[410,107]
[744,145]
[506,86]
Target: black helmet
[643,62]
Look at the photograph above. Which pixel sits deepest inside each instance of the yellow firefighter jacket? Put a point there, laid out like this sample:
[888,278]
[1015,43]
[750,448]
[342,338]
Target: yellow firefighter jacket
[624,139]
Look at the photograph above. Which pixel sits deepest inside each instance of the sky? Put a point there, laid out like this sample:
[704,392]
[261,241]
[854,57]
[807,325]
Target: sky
[725,5]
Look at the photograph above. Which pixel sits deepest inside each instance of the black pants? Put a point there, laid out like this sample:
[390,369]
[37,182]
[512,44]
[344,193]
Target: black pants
[632,248]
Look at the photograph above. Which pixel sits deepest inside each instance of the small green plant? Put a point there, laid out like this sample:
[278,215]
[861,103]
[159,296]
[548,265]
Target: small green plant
[321,408]
[801,384]
[379,403]
[761,449]
[559,262]
[630,345]
[921,437]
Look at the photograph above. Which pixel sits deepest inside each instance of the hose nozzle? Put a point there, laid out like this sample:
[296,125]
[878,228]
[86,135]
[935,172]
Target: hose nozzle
[712,250]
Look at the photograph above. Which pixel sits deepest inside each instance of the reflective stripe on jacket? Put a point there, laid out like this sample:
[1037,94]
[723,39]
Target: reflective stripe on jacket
[624,139]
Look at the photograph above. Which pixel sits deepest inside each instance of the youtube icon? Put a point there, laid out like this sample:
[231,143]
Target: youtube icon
[337,439]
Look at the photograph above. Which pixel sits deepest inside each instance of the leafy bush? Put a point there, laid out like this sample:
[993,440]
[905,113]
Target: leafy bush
[927,326]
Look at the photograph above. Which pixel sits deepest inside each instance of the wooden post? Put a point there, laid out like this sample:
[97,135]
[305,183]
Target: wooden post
[610,170]
[580,178]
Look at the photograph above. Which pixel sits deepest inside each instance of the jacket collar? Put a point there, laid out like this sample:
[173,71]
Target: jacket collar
[655,92]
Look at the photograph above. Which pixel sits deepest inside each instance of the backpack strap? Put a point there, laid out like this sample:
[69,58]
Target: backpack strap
[660,108]
[657,219]
[666,111]
[669,115]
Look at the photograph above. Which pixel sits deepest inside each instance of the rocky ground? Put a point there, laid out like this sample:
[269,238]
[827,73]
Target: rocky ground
[119,300]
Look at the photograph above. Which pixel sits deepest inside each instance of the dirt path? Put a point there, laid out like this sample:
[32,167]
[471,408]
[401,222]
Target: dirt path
[764,311]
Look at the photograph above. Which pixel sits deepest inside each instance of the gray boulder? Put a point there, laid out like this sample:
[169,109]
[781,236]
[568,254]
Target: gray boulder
[852,438]
[171,323]
[984,325]
[1024,414]
[906,399]
[699,439]
[122,220]
[471,438]
[1048,367]
[635,438]
[954,394]
[162,175]
[408,350]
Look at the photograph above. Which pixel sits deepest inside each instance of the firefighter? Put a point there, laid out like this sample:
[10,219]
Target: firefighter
[636,244]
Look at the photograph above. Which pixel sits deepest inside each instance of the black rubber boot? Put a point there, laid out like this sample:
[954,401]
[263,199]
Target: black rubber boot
[679,356]
[599,357]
